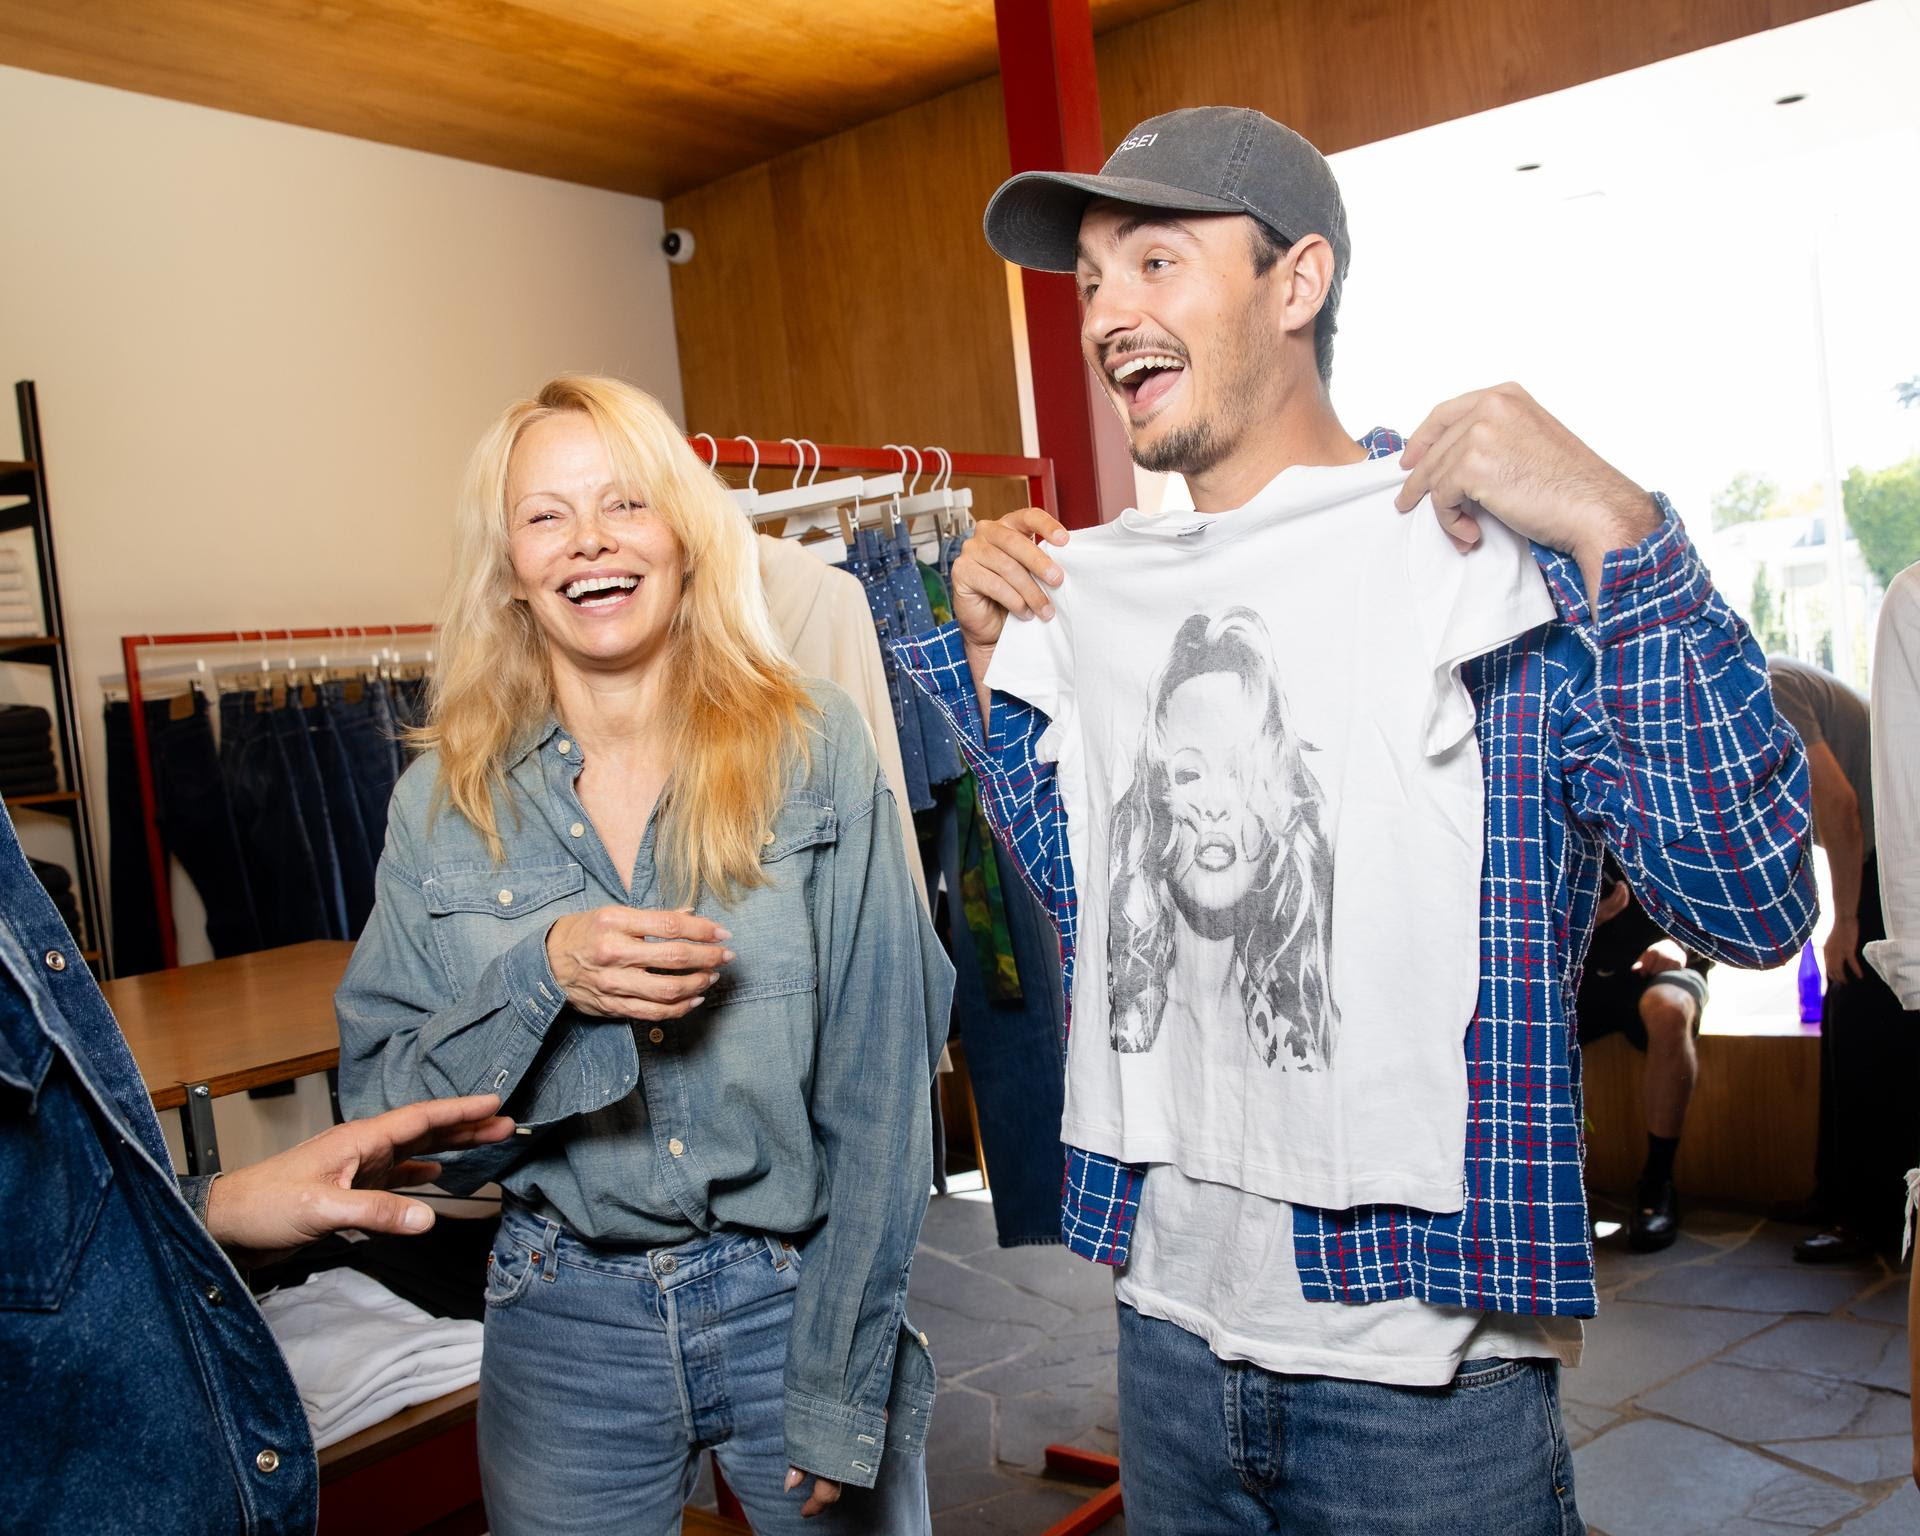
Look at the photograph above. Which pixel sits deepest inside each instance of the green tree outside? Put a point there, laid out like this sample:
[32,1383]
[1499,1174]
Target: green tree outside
[1746,498]
[1883,513]
[1764,619]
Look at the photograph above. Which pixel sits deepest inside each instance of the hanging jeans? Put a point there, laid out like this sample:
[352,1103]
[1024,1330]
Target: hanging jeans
[914,618]
[310,794]
[363,720]
[866,558]
[342,797]
[290,904]
[197,827]
[136,925]
[1015,1049]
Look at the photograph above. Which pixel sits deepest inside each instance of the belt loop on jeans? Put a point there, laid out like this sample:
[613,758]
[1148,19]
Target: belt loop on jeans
[550,1270]
[777,1251]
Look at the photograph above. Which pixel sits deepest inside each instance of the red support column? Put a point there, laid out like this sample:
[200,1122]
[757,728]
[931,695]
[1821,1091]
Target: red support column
[1053,124]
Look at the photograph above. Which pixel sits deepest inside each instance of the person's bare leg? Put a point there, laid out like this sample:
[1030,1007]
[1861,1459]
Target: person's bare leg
[1673,1065]
[1668,1013]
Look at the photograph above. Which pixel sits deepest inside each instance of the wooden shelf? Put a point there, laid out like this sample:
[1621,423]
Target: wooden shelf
[42,802]
[28,643]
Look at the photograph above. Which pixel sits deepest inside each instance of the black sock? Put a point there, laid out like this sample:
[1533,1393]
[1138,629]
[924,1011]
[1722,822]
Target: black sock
[1660,1153]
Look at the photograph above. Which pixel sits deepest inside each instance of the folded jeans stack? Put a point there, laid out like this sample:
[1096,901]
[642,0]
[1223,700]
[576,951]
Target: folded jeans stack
[59,884]
[359,1354]
[26,751]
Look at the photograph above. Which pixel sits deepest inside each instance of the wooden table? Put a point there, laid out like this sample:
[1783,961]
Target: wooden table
[201,1031]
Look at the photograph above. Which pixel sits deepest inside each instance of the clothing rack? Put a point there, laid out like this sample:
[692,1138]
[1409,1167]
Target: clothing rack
[131,647]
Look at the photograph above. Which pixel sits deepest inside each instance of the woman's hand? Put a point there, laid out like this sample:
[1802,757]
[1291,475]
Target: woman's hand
[825,1494]
[623,963]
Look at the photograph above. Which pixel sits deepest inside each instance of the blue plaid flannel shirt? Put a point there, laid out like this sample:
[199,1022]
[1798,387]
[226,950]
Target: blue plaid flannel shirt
[1646,727]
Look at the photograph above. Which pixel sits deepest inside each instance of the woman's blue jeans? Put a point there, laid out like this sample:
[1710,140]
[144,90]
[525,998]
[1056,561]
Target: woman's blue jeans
[607,1372]
[1210,1447]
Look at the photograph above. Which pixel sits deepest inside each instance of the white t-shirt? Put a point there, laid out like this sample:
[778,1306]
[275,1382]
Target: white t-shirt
[1241,705]
[1219,1263]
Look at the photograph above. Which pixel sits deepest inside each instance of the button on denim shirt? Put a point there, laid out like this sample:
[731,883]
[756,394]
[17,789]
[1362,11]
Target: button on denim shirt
[793,1102]
[143,1389]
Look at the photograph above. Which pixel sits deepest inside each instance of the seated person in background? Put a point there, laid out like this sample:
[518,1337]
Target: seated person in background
[1641,984]
[144,1391]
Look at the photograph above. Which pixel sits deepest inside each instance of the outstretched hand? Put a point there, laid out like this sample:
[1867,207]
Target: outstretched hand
[344,1177]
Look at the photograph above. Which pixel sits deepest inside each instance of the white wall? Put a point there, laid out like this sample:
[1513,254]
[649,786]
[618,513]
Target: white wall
[263,353]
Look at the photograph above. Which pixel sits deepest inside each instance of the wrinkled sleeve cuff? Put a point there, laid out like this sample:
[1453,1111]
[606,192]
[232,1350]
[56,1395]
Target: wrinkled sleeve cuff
[834,1440]
[1898,963]
[594,1064]
[936,663]
[194,1189]
[1661,580]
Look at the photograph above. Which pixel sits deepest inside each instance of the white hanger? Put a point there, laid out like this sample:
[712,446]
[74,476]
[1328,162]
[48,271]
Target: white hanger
[746,497]
[813,496]
[938,498]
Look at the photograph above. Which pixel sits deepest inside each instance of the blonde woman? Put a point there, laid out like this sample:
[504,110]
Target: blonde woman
[648,884]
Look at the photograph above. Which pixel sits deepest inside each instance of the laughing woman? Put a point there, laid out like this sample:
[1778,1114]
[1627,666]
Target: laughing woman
[648,884]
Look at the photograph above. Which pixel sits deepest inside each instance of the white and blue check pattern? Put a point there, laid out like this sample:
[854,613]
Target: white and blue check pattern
[1647,728]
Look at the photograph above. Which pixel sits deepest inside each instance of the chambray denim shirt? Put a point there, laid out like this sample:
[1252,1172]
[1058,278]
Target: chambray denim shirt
[793,1102]
[143,1389]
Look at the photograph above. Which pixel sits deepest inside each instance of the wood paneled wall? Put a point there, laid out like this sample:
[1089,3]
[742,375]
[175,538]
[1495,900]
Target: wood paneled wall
[844,291]
[1751,1128]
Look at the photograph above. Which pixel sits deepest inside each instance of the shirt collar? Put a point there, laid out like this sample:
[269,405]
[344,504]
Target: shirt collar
[1380,443]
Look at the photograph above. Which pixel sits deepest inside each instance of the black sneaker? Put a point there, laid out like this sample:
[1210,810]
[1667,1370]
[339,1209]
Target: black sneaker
[1836,1245]
[1655,1222]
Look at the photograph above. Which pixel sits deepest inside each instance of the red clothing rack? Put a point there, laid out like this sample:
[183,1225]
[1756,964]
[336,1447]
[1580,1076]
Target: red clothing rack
[130,648]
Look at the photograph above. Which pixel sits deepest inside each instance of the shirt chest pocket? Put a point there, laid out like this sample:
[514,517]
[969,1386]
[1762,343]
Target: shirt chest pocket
[478,913]
[773,927]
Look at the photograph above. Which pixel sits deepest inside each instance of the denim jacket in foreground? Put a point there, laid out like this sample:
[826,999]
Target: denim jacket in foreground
[143,1389]
[793,1102]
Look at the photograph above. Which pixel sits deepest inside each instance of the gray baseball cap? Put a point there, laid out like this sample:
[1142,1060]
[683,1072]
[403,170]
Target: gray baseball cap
[1196,160]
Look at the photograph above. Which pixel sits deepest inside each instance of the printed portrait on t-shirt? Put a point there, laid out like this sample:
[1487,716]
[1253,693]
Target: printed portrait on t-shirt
[1222,889]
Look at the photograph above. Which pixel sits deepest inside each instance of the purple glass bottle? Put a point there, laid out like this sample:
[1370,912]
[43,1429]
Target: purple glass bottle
[1810,1006]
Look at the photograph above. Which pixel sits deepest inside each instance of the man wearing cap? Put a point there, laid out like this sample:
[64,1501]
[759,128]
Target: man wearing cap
[1401,1372]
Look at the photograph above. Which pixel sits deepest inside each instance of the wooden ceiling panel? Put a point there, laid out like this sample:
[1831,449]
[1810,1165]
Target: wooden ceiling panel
[634,95]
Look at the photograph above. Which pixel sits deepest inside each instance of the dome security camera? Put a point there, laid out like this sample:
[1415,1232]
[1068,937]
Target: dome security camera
[678,245]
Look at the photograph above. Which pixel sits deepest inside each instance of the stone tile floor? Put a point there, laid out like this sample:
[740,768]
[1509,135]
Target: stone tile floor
[1727,1391]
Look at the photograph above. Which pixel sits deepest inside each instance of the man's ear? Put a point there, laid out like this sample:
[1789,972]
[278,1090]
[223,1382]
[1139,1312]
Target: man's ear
[1304,276]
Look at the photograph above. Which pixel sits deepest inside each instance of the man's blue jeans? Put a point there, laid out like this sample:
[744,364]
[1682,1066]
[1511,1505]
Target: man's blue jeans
[606,1373]
[1213,1448]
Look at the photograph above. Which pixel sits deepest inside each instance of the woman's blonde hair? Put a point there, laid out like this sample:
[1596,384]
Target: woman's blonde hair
[735,703]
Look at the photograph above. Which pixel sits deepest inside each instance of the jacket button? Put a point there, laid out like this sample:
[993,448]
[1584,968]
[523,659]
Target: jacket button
[676,1146]
[657,1036]
[578,829]
[767,841]
[268,1460]
[56,961]
[506,898]
[564,748]
[215,1296]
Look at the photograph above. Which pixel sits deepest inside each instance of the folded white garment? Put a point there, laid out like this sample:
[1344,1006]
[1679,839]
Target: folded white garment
[359,1354]
[12,581]
[12,627]
[10,560]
